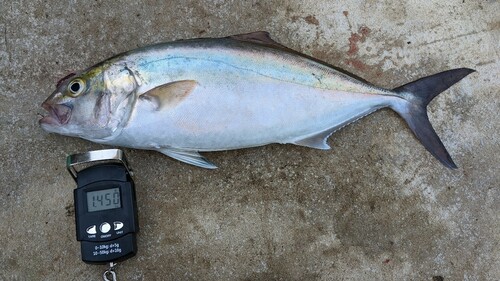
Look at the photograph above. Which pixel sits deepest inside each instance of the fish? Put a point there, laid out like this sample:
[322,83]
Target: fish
[186,97]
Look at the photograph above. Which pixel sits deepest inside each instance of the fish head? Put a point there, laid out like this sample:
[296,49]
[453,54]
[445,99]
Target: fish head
[93,104]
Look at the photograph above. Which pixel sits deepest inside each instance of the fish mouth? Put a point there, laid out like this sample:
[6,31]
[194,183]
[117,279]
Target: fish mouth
[59,114]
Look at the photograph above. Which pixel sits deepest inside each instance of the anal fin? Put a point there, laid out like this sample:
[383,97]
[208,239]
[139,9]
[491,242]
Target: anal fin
[318,141]
[189,157]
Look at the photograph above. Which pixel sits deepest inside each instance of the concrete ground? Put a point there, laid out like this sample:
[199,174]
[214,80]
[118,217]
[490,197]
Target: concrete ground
[377,206]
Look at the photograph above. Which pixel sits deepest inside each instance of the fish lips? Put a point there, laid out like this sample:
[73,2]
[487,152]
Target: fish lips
[59,114]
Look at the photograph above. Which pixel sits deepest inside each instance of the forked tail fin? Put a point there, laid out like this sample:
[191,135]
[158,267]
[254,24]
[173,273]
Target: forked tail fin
[418,95]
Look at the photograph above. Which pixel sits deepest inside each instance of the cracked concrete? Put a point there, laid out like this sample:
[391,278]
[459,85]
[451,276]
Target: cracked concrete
[375,207]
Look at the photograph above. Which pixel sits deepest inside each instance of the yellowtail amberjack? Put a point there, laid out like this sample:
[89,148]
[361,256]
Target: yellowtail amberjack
[189,96]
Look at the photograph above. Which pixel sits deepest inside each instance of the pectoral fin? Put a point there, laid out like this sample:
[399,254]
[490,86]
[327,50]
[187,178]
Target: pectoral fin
[170,94]
[190,157]
[317,141]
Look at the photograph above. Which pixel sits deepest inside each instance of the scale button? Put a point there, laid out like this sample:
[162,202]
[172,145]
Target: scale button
[105,227]
[118,225]
[92,229]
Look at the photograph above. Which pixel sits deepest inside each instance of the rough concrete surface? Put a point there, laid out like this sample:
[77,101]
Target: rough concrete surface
[377,206]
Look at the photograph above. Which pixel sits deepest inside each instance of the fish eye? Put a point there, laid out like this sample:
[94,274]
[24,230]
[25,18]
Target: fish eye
[76,87]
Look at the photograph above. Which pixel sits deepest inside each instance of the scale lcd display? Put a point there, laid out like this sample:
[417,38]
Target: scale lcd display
[105,199]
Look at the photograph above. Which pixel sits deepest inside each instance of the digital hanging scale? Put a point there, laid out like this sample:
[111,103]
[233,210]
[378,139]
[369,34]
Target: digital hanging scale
[105,207]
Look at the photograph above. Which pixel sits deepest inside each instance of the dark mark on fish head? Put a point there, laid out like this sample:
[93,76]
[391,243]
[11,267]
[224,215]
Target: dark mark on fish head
[64,78]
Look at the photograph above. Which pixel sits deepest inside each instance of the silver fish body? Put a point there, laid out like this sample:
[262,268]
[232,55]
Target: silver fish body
[188,96]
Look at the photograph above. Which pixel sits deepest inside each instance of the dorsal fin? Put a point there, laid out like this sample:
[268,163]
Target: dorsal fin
[259,37]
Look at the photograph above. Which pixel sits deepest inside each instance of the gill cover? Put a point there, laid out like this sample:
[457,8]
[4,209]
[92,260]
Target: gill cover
[115,103]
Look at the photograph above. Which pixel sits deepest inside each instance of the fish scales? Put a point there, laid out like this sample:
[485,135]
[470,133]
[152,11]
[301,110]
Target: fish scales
[242,99]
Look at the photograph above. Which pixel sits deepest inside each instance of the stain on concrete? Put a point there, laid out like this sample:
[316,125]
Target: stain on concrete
[357,64]
[356,38]
[311,20]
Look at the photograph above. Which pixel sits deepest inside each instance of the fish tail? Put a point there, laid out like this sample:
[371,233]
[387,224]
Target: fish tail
[417,95]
